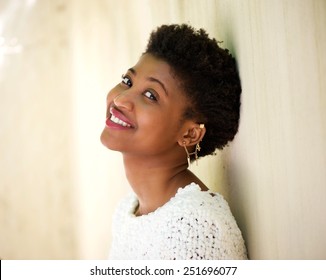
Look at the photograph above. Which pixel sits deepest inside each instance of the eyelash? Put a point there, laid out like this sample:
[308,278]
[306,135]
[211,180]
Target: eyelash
[127,81]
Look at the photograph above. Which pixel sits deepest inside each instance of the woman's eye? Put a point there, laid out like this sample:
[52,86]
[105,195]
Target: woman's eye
[150,95]
[126,80]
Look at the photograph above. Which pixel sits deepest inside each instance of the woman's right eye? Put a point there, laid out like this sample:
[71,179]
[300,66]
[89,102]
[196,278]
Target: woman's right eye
[126,80]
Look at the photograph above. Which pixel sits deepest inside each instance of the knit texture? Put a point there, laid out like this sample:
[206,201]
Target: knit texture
[194,224]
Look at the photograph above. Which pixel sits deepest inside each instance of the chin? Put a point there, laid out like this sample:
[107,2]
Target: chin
[104,139]
[107,142]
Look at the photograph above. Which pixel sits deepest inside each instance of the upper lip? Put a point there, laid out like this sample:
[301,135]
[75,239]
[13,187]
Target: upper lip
[118,114]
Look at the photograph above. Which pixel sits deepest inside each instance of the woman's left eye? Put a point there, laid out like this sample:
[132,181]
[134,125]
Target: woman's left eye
[126,80]
[150,95]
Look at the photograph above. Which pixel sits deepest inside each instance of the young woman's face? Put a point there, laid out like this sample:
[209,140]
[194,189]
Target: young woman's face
[145,110]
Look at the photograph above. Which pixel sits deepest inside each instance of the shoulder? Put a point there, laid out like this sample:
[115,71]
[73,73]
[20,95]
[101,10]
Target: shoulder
[202,204]
[201,224]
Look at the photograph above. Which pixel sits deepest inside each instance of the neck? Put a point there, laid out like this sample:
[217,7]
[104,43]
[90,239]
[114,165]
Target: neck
[154,180]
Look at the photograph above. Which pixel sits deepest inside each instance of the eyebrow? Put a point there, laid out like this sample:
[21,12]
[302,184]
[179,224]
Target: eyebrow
[152,79]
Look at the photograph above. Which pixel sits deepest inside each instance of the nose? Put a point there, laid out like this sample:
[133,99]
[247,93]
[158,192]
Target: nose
[124,100]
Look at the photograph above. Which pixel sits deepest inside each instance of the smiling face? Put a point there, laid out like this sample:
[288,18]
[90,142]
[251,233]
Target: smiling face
[145,110]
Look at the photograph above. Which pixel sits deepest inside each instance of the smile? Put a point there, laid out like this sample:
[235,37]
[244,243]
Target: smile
[118,121]
[117,118]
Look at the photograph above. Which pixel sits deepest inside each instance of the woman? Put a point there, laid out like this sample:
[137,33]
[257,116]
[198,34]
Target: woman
[179,102]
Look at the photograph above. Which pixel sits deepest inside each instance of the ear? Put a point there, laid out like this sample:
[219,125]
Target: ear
[192,134]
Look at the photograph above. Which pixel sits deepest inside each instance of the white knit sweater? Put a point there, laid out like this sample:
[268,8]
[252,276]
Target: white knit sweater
[192,225]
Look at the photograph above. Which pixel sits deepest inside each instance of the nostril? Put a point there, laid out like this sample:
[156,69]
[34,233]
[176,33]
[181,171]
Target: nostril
[123,101]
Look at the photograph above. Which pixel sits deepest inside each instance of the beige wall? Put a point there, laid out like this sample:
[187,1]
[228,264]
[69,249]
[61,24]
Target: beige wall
[36,180]
[59,186]
[277,165]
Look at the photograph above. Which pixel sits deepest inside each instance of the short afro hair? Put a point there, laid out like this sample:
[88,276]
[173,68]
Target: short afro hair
[209,77]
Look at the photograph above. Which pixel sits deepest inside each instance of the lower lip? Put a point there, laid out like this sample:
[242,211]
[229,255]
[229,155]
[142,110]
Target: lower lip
[113,125]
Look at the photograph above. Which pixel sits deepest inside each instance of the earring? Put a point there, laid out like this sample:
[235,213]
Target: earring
[197,149]
[188,156]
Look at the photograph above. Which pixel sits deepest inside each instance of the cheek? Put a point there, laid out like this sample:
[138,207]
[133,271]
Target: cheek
[151,118]
[163,126]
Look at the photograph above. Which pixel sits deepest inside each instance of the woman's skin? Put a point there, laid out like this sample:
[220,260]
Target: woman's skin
[148,128]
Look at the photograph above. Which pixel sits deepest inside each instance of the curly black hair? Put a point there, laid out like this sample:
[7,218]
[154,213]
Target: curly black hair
[208,76]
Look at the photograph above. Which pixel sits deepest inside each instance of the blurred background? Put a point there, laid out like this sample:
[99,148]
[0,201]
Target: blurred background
[58,59]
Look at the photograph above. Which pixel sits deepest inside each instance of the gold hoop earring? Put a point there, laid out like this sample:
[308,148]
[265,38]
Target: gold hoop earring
[195,153]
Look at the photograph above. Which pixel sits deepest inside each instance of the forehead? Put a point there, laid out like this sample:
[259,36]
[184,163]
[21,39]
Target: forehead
[151,66]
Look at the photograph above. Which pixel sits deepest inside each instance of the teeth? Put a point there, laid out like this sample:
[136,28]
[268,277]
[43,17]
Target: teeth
[118,121]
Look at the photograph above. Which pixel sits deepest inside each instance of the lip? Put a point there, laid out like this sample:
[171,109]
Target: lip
[117,113]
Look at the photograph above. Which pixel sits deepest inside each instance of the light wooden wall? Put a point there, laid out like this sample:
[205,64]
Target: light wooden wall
[277,165]
[36,178]
[59,186]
